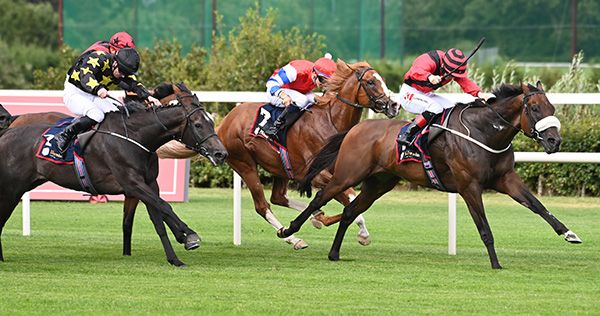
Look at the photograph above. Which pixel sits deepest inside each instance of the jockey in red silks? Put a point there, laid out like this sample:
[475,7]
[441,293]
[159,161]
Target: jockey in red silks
[293,84]
[117,42]
[428,73]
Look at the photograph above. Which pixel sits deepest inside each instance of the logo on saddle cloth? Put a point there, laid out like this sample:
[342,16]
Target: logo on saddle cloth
[419,150]
[264,119]
[48,150]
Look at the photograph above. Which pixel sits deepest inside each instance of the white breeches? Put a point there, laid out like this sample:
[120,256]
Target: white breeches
[84,104]
[417,102]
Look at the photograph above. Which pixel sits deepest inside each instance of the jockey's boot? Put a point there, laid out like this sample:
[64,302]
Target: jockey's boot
[289,115]
[406,138]
[64,138]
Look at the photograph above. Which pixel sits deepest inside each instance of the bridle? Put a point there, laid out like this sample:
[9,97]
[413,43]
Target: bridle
[541,125]
[197,146]
[537,128]
[373,99]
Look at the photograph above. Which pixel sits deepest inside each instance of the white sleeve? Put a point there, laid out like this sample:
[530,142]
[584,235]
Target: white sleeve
[285,75]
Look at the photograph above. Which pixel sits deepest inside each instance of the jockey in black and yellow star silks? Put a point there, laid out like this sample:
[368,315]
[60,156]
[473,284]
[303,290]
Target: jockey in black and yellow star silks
[87,85]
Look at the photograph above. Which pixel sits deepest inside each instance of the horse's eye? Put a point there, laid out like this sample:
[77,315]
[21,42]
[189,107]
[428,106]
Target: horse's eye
[371,82]
[535,108]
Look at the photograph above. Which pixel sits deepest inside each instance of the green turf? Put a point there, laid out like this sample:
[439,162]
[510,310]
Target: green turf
[72,263]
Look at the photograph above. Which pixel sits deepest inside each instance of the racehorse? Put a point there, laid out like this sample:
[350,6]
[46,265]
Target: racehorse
[122,154]
[367,154]
[165,92]
[351,89]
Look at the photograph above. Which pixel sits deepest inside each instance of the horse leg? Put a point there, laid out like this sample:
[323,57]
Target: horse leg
[512,185]
[279,197]
[249,173]
[129,206]
[157,209]
[372,189]
[7,206]
[472,196]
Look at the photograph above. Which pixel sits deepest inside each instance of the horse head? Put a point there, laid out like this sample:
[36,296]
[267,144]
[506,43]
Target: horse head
[198,133]
[537,118]
[365,89]
[4,118]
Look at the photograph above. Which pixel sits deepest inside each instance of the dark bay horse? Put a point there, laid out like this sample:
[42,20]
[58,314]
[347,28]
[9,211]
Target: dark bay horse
[165,92]
[351,89]
[366,154]
[121,156]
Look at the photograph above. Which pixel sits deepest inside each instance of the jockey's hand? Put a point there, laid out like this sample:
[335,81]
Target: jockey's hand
[154,101]
[102,93]
[434,79]
[285,99]
[485,96]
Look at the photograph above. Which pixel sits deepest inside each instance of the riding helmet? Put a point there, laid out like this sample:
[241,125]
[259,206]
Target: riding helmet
[128,61]
[452,59]
[122,40]
[324,66]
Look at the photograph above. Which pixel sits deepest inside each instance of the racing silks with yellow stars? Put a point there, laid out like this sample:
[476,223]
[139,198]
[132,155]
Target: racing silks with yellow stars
[92,71]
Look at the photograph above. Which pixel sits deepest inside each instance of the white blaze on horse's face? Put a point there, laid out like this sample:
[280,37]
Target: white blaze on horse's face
[386,91]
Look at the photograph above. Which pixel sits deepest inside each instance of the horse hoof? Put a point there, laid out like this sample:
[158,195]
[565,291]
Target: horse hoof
[364,240]
[178,263]
[192,242]
[300,244]
[316,223]
[572,237]
[497,266]
[334,257]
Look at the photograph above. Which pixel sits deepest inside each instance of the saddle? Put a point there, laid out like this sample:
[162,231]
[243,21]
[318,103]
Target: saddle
[48,150]
[418,151]
[265,118]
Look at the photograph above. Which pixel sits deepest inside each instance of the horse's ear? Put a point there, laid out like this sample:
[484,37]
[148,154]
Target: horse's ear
[539,85]
[525,87]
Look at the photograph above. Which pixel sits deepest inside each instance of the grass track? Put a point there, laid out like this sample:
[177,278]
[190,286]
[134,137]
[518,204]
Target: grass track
[72,263]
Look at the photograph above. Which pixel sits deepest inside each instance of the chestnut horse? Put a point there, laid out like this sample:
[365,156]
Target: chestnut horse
[165,92]
[352,88]
[474,155]
[121,160]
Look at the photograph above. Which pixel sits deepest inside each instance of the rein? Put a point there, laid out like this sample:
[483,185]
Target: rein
[541,125]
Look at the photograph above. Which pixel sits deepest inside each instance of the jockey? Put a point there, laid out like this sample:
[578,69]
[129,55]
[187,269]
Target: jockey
[117,42]
[293,84]
[87,84]
[429,72]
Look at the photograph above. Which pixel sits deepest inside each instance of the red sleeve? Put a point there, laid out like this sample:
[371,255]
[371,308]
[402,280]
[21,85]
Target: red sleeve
[421,68]
[468,86]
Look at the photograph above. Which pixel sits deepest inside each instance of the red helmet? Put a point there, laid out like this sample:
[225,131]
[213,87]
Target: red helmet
[452,59]
[122,40]
[325,67]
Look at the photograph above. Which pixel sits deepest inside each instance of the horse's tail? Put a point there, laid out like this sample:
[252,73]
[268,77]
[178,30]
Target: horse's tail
[325,158]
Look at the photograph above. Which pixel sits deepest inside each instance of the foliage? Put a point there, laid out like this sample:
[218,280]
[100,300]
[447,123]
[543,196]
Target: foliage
[166,62]
[52,78]
[25,42]
[565,178]
[245,58]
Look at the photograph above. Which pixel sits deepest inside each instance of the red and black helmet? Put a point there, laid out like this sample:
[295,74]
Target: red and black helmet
[122,40]
[325,67]
[128,61]
[452,59]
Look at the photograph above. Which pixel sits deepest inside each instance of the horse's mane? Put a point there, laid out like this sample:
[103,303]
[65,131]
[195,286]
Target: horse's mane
[336,82]
[506,91]
[162,90]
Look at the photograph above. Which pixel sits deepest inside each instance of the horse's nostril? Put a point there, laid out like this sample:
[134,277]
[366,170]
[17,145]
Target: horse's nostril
[221,155]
